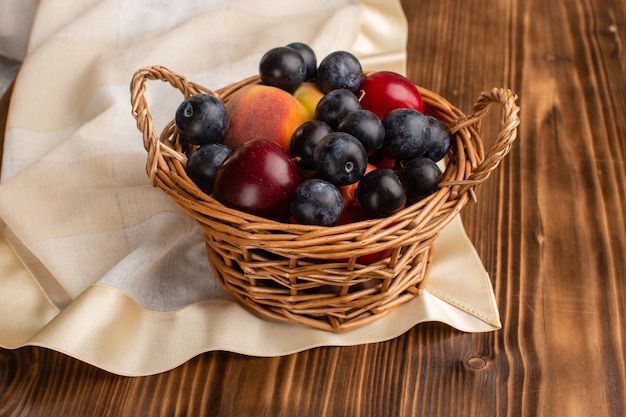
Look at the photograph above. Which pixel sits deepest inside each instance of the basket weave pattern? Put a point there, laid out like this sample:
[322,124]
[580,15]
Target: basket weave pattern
[311,274]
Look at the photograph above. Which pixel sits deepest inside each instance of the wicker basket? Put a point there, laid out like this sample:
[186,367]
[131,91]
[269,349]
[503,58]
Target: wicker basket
[310,274]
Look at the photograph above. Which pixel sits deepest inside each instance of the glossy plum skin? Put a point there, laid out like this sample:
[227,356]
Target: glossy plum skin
[438,140]
[283,67]
[310,59]
[259,178]
[201,119]
[335,106]
[317,202]
[203,164]
[339,69]
[406,134]
[366,127]
[384,91]
[380,193]
[352,212]
[420,178]
[304,141]
[340,158]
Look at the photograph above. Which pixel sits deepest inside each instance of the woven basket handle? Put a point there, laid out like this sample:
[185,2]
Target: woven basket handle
[506,136]
[155,147]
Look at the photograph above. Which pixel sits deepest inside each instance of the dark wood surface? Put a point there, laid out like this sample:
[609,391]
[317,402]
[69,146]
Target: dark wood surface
[549,227]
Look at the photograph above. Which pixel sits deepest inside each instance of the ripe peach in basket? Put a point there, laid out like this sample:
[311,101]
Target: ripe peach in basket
[263,112]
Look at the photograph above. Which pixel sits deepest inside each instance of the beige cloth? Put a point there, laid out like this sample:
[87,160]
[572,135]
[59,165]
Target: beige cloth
[100,265]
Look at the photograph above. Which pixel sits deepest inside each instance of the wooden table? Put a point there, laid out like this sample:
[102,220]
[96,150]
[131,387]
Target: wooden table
[549,226]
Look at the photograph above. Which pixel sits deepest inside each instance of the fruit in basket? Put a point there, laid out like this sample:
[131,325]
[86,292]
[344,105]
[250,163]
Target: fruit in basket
[310,59]
[352,212]
[201,119]
[406,134]
[263,112]
[366,127]
[317,202]
[304,141]
[340,158]
[438,140]
[420,177]
[203,164]
[339,69]
[383,161]
[336,105]
[380,193]
[282,67]
[309,95]
[370,152]
[384,91]
[259,178]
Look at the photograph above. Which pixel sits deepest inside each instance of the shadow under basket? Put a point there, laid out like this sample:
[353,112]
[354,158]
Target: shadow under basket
[316,275]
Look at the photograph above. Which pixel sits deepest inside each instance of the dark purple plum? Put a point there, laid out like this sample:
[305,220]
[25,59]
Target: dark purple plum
[203,164]
[406,134]
[334,106]
[282,67]
[366,127]
[438,140]
[339,69]
[201,119]
[310,59]
[340,158]
[304,140]
[380,193]
[317,202]
[420,177]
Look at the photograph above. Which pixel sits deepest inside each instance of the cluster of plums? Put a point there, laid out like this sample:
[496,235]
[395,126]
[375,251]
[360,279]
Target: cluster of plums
[314,144]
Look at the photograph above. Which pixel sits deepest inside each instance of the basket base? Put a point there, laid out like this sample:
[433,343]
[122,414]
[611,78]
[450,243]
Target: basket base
[314,295]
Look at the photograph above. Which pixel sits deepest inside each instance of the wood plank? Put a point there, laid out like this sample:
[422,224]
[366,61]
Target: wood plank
[560,212]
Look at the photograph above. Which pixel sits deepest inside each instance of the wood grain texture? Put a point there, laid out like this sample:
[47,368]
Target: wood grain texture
[549,227]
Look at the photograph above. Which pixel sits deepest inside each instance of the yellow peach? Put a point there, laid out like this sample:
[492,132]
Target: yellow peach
[309,94]
[263,112]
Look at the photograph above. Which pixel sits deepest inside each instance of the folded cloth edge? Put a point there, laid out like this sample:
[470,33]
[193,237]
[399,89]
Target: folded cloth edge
[106,328]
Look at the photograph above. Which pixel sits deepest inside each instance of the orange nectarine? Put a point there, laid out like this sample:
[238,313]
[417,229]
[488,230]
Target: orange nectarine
[263,112]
